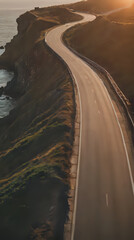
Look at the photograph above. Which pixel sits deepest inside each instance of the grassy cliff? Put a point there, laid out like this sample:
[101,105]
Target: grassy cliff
[109,42]
[36,138]
[98,6]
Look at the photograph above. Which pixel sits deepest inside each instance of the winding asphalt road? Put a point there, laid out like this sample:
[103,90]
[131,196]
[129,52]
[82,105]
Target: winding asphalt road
[104,205]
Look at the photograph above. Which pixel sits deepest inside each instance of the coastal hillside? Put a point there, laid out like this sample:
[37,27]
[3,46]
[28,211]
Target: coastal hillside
[125,16]
[98,6]
[109,42]
[36,138]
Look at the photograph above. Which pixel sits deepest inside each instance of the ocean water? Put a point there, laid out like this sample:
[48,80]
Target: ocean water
[6,102]
[5,77]
[6,105]
[9,12]
[8,25]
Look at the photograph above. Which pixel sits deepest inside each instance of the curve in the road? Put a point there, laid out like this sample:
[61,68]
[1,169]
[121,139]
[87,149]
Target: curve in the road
[104,203]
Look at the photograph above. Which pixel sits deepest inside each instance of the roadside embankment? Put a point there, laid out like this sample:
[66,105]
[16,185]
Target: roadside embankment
[110,44]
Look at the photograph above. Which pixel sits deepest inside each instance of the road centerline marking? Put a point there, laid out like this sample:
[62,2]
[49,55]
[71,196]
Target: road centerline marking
[123,140]
[107,200]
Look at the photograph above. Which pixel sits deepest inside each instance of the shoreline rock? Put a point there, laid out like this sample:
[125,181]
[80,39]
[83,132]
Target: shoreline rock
[1,91]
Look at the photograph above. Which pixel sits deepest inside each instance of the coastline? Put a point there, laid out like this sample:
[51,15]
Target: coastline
[6,103]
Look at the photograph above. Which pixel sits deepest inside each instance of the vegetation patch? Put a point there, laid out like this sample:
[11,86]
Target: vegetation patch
[110,44]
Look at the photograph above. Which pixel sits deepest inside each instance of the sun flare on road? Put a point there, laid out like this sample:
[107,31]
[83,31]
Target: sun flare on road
[127,1]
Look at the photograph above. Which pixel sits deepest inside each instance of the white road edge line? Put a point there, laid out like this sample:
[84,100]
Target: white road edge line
[107,200]
[123,140]
[78,168]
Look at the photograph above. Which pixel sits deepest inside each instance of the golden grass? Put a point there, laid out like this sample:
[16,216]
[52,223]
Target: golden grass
[97,6]
[125,16]
[111,45]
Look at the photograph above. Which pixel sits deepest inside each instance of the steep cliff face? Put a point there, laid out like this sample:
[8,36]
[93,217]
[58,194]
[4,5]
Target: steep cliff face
[24,22]
[36,138]
[23,51]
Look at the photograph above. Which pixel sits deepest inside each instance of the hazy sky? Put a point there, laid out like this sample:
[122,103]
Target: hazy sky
[31,3]
[41,3]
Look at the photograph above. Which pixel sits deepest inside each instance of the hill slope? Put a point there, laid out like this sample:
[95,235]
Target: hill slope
[110,44]
[98,6]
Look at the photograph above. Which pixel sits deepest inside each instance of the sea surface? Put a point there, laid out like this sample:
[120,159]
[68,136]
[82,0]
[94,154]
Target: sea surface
[8,28]
[6,102]
[10,12]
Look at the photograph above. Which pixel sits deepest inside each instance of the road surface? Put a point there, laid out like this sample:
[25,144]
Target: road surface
[104,205]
